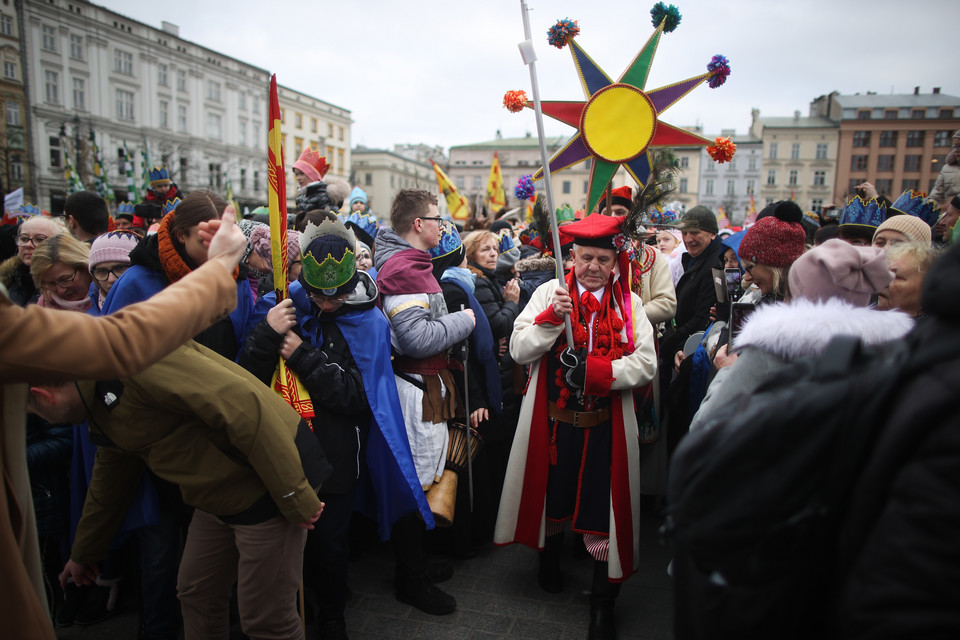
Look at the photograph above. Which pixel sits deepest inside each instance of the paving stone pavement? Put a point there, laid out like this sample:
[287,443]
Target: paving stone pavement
[497,597]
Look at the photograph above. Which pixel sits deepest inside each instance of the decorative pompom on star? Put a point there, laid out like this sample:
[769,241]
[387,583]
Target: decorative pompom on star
[524,189]
[722,150]
[561,33]
[670,12]
[514,101]
[719,67]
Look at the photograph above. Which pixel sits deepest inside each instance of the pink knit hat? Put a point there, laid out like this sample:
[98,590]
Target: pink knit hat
[114,246]
[838,269]
[313,165]
[260,243]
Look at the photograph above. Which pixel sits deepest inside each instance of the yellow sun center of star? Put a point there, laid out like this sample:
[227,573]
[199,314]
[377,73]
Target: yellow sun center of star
[618,123]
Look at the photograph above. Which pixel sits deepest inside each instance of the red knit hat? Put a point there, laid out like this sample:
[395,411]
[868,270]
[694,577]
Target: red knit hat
[595,231]
[776,240]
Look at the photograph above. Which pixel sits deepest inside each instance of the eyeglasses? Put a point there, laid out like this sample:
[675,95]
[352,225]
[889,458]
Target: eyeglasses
[437,218]
[336,301]
[23,241]
[102,273]
[63,282]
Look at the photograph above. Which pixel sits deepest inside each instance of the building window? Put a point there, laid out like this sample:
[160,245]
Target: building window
[888,138]
[242,99]
[751,185]
[911,163]
[852,186]
[242,126]
[460,182]
[339,133]
[51,85]
[684,162]
[55,158]
[256,181]
[478,180]
[822,150]
[567,187]
[771,177]
[816,205]
[731,187]
[368,179]
[340,159]
[13,114]
[243,179]
[49,38]
[215,174]
[79,94]
[214,131]
[819,178]
[752,164]
[298,121]
[256,104]
[884,186]
[711,166]
[795,151]
[586,185]
[297,146]
[283,116]
[793,178]
[16,167]
[124,105]
[890,114]
[861,138]
[313,125]
[329,130]
[918,114]
[709,189]
[773,151]
[885,163]
[915,138]
[863,114]
[164,114]
[162,75]
[123,62]
[213,90]
[858,162]
[181,80]
[683,185]
[941,139]
[6,25]
[181,118]
[76,46]
[946,114]
[732,165]
[10,70]
[910,184]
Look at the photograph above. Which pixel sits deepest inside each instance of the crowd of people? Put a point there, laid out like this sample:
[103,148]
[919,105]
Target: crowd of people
[439,387]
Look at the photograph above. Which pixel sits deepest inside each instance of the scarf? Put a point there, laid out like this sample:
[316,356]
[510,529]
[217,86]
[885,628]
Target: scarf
[51,300]
[174,265]
[459,274]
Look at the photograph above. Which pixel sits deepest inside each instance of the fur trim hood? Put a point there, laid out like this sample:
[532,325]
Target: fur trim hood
[536,263]
[803,328]
[7,270]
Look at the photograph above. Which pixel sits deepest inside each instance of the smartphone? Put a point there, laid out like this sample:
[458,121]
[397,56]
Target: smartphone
[719,285]
[732,278]
[739,311]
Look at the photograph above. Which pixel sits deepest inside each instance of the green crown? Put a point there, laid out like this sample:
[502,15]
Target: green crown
[330,274]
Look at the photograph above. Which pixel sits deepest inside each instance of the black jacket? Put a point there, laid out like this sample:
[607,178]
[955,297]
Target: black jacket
[331,376]
[49,447]
[695,295]
[501,314]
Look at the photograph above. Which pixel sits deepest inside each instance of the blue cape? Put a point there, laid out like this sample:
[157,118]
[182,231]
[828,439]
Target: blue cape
[389,487]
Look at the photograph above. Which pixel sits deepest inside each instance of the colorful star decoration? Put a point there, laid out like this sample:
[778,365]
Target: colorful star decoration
[619,122]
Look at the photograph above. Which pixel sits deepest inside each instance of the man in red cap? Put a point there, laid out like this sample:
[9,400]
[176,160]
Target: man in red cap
[575,456]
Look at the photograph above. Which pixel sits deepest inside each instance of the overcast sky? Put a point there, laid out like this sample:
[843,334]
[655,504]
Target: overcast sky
[435,72]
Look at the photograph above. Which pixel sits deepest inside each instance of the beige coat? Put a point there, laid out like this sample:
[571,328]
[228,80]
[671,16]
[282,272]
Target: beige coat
[42,345]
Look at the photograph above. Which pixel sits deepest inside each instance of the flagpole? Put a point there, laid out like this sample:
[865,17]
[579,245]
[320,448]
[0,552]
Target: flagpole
[530,59]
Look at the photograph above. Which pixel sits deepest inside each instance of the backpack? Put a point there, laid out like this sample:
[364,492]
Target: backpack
[756,498]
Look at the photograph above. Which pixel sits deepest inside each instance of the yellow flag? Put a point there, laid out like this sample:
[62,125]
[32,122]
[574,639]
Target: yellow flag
[496,198]
[456,202]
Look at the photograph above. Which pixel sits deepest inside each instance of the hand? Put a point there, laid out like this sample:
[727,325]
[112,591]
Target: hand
[224,241]
[473,318]
[677,359]
[724,359]
[713,313]
[289,344]
[511,292]
[81,573]
[574,363]
[504,346]
[869,191]
[282,317]
[308,525]
[478,416]
[562,302]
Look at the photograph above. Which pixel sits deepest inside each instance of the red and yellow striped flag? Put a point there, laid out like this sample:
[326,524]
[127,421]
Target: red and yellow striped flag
[456,202]
[285,382]
[496,197]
